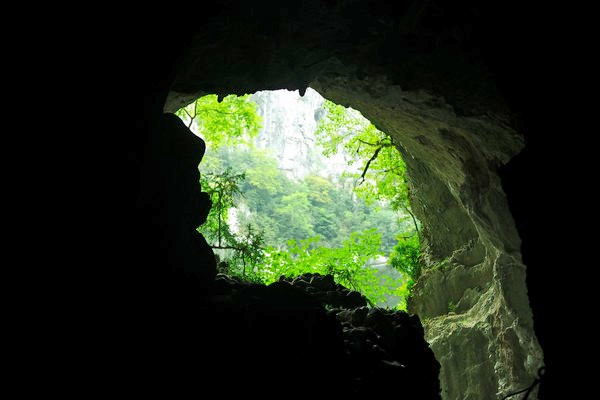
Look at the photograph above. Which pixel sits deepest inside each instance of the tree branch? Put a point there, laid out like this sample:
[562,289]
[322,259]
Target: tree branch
[190,115]
[370,144]
[407,237]
[227,248]
[373,157]
[396,170]
[381,143]
[412,216]
[219,111]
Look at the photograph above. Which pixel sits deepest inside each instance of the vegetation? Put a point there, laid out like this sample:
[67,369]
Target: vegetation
[383,177]
[266,225]
[347,264]
[229,122]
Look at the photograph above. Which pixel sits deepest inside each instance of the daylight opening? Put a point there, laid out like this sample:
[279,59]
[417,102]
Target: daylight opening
[300,185]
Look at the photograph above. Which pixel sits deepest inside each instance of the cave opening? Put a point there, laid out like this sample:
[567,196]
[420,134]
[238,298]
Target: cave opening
[476,58]
[289,328]
[300,185]
[468,237]
[421,86]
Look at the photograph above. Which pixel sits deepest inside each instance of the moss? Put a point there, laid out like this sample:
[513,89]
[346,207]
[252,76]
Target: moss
[452,306]
[443,265]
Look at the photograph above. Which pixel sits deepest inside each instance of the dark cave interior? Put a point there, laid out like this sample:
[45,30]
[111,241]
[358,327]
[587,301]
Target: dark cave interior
[197,346]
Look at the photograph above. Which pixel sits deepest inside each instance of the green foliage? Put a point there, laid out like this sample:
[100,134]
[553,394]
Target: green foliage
[452,306]
[406,258]
[232,121]
[284,227]
[347,264]
[247,245]
[383,172]
[284,209]
[294,214]
[222,189]
[319,190]
[248,253]
[382,179]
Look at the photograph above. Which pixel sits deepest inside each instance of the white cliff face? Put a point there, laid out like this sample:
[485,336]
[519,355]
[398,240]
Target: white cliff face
[289,124]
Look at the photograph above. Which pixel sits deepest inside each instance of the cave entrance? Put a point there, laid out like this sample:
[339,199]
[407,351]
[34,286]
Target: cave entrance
[416,74]
[302,185]
[471,294]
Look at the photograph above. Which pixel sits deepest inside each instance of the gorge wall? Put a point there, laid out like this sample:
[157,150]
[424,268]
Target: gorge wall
[289,123]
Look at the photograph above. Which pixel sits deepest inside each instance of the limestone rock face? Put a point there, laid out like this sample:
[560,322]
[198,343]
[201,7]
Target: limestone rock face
[472,297]
[289,124]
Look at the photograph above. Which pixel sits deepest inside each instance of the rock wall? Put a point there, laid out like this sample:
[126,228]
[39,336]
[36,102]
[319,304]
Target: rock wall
[472,296]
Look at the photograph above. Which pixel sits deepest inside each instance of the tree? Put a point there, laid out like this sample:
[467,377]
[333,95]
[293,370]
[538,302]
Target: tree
[233,120]
[405,257]
[222,189]
[262,171]
[327,228]
[246,245]
[348,264]
[382,176]
[294,216]
[319,190]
